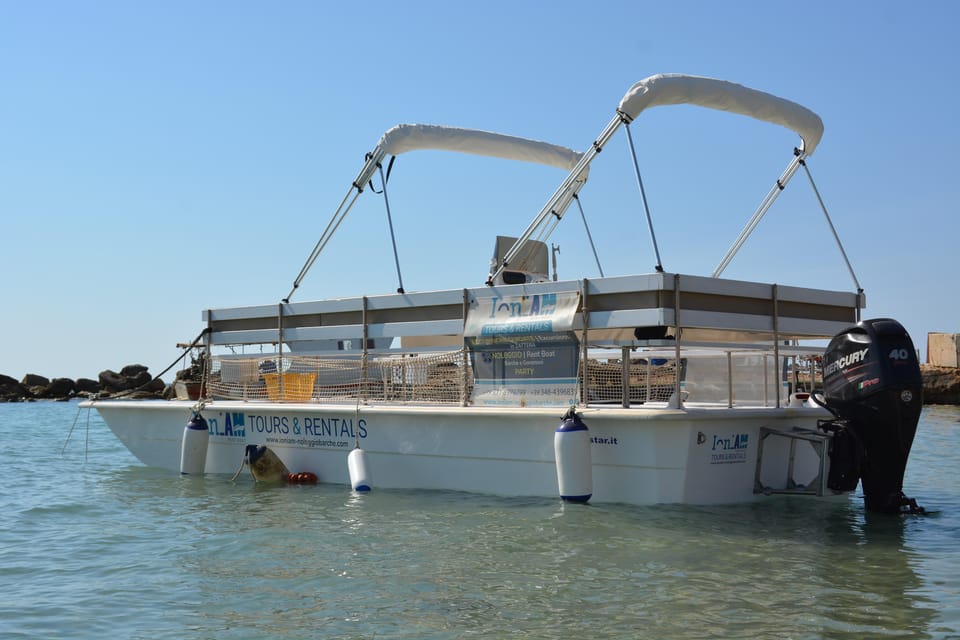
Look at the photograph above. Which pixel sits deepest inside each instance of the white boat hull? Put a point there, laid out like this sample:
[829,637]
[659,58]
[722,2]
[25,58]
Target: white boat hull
[639,456]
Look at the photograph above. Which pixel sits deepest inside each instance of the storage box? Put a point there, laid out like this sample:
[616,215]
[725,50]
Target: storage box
[188,390]
[239,371]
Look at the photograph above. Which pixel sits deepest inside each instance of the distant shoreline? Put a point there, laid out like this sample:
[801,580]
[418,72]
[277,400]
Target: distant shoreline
[133,381]
[941,385]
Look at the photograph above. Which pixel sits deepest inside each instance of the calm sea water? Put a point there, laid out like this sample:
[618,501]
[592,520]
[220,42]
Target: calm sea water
[94,545]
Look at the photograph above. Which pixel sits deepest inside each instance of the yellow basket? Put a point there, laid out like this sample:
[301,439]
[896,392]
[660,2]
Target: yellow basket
[297,387]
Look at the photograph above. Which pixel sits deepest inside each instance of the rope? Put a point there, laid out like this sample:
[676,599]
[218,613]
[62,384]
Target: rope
[242,462]
[389,169]
[70,433]
[86,441]
[172,365]
[193,344]
[356,424]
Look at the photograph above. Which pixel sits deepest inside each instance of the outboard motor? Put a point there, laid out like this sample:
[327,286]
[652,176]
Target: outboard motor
[872,383]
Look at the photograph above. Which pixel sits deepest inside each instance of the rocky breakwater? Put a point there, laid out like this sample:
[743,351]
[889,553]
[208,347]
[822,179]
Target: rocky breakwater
[133,381]
[941,385]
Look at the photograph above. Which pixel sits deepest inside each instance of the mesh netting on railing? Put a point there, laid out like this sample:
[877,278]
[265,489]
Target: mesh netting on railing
[649,380]
[434,378]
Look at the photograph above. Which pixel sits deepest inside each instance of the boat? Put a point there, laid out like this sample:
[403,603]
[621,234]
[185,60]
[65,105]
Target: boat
[650,388]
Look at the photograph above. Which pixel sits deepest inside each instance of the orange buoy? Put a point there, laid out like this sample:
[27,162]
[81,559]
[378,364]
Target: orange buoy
[304,477]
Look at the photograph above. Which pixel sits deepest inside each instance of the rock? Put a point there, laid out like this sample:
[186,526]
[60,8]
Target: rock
[134,382]
[113,382]
[58,388]
[33,380]
[133,370]
[11,390]
[941,385]
[139,380]
[155,386]
[87,386]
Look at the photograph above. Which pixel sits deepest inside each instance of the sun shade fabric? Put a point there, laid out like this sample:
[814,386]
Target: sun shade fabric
[666,89]
[411,137]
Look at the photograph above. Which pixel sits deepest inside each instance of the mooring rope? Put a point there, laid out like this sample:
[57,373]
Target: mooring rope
[356,424]
[242,462]
[189,347]
[70,433]
[86,440]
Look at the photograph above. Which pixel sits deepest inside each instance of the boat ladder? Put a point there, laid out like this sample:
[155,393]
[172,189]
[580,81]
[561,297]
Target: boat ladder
[819,441]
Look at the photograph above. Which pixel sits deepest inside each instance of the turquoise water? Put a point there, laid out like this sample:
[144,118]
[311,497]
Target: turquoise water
[94,545]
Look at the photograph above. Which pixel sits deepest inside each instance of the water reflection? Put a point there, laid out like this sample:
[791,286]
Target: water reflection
[783,567]
[250,560]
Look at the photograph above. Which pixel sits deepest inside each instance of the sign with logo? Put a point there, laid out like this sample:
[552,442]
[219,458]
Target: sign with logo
[522,315]
[523,349]
[729,449]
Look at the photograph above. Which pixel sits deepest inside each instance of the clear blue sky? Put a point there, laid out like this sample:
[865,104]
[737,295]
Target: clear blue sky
[159,158]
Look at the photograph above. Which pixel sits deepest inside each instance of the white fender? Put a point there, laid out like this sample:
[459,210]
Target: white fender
[357,466]
[571,445]
[193,446]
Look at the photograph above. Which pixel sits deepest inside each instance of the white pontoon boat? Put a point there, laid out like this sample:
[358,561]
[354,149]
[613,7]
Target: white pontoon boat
[641,389]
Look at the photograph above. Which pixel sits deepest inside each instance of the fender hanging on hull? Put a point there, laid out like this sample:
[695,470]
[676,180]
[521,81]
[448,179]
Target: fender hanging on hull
[571,445]
[193,446]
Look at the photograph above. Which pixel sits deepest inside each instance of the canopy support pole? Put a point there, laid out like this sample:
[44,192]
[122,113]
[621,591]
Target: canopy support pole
[404,138]
[560,200]
[833,230]
[589,237]
[643,196]
[393,239]
[335,221]
[771,197]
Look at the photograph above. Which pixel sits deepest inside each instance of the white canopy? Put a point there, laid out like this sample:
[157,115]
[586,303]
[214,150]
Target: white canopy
[665,89]
[412,137]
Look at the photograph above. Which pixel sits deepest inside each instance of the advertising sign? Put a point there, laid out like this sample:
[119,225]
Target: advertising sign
[523,350]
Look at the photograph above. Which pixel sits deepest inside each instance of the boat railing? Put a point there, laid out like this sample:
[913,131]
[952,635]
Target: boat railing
[625,377]
[420,378]
[614,379]
[417,347]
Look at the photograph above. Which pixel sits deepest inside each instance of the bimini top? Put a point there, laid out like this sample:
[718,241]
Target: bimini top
[413,137]
[671,88]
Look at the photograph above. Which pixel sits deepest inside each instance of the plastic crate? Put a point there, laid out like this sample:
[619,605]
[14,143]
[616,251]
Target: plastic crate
[297,387]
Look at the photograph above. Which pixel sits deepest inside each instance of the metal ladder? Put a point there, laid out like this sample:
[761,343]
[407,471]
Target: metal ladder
[820,442]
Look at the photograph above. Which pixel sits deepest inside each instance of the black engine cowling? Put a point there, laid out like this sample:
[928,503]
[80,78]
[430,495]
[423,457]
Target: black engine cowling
[872,383]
